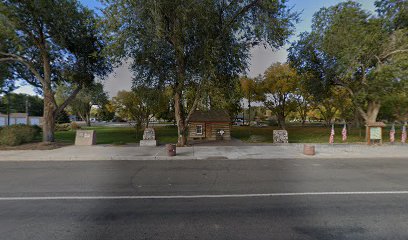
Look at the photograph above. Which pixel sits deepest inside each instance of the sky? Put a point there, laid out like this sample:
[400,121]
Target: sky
[261,58]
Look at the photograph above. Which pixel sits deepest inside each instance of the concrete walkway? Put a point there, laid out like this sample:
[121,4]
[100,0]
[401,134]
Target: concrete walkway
[287,151]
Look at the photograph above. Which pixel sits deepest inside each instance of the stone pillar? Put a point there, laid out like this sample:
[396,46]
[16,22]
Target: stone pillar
[149,138]
[280,136]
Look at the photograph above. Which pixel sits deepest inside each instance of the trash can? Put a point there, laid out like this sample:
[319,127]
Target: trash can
[309,150]
[171,150]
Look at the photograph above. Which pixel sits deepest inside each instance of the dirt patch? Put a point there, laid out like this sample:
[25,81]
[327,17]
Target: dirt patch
[35,146]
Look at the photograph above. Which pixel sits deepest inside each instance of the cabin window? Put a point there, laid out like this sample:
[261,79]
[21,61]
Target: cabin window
[199,129]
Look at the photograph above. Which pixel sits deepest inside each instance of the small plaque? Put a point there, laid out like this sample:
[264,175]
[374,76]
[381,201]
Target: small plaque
[85,137]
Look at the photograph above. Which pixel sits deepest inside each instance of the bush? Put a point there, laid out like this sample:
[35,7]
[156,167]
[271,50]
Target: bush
[75,126]
[37,128]
[62,127]
[18,134]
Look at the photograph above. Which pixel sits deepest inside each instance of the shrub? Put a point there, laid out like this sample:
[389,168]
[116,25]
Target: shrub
[62,127]
[18,134]
[37,128]
[75,126]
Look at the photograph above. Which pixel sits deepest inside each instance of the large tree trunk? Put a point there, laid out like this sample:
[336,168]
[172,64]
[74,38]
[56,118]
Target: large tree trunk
[370,116]
[180,120]
[49,116]
[303,122]
[372,112]
[88,120]
[49,101]
[303,113]
[281,121]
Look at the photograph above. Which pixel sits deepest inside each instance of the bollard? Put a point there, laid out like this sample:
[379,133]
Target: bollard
[309,150]
[171,150]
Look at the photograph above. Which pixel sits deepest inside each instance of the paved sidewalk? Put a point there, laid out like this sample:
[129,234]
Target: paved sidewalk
[286,151]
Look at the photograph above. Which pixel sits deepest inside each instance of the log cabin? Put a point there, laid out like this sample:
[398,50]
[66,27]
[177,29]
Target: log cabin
[209,126]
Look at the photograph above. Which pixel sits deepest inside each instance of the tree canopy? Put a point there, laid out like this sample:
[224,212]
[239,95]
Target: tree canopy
[279,85]
[186,44]
[350,48]
[49,42]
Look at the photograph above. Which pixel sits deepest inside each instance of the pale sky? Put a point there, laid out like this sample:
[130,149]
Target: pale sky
[261,58]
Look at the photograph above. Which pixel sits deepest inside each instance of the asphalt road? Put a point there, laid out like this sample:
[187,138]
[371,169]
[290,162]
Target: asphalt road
[356,199]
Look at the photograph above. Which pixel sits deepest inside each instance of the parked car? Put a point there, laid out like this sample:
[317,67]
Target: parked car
[238,122]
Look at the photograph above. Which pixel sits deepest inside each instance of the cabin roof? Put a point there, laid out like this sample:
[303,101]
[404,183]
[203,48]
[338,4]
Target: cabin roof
[210,116]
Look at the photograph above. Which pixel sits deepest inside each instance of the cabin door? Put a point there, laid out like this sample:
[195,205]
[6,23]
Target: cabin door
[208,131]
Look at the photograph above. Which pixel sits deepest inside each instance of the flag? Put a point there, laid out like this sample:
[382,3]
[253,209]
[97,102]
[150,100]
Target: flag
[404,134]
[344,133]
[331,140]
[392,134]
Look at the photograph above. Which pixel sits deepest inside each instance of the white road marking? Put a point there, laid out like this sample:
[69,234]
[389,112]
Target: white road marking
[199,196]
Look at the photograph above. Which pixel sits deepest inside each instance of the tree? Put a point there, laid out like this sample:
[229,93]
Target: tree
[335,103]
[136,106]
[350,48]
[21,103]
[251,91]
[49,42]
[395,107]
[129,106]
[279,86]
[62,117]
[303,98]
[395,12]
[165,108]
[186,43]
[221,97]
[106,112]
[90,96]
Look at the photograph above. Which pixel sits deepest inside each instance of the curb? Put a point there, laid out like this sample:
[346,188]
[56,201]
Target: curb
[190,158]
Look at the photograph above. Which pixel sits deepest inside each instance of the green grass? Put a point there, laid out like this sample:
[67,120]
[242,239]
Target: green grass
[309,134]
[119,135]
[168,134]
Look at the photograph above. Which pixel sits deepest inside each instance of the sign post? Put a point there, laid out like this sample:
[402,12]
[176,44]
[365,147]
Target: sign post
[374,133]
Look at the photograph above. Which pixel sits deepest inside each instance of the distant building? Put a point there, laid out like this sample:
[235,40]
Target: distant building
[19,118]
[209,125]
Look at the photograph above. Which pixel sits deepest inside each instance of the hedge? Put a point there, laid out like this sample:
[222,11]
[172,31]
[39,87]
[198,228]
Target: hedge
[18,134]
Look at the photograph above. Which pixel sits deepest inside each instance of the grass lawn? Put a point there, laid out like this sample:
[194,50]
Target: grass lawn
[119,135]
[308,134]
[168,134]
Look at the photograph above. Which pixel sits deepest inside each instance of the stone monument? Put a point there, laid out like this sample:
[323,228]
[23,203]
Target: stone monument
[85,137]
[149,138]
[280,136]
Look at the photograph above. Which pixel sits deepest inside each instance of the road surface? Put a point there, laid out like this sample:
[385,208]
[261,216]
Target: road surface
[213,199]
